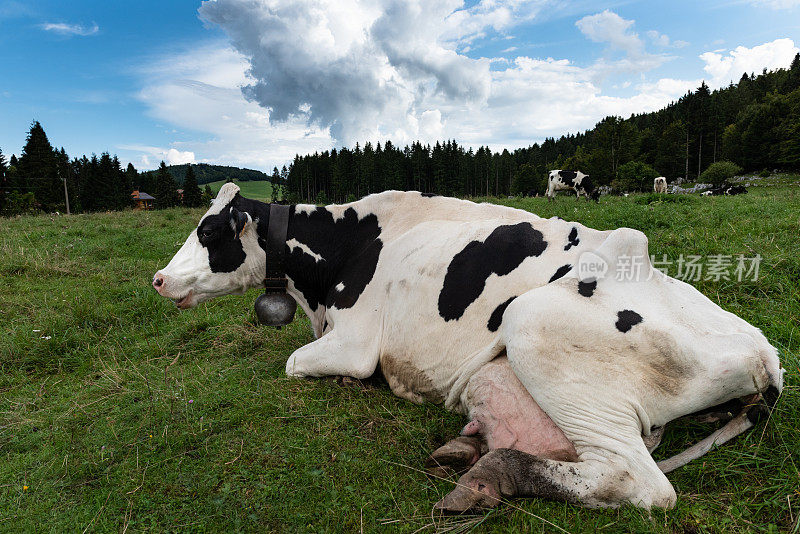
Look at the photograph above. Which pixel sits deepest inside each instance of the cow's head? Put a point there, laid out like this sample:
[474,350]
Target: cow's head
[591,189]
[221,256]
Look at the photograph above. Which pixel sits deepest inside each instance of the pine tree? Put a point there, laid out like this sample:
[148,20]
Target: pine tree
[192,197]
[4,185]
[166,189]
[275,182]
[122,186]
[132,181]
[38,170]
[66,175]
[89,184]
[207,197]
[106,183]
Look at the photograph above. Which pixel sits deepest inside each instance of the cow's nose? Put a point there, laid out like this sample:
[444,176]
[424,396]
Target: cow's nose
[158,281]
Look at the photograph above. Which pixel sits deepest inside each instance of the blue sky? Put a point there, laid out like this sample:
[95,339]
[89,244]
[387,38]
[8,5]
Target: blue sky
[252,83]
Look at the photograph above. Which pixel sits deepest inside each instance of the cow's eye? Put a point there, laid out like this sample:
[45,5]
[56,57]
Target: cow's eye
[206,233]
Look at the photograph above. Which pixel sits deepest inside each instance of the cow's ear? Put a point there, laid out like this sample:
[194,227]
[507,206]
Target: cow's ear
[239,220]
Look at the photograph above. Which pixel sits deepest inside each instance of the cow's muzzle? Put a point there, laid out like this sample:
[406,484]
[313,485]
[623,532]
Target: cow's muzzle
[167,288]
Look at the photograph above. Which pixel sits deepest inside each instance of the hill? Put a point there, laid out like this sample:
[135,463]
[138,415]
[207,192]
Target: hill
[207,174]
[257,190]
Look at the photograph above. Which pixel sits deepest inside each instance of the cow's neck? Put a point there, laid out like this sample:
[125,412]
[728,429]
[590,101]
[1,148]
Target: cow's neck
[325,254]
[322,245]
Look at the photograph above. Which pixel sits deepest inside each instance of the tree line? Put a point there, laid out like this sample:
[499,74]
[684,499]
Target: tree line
[43,178]
[754,123]
[206,173]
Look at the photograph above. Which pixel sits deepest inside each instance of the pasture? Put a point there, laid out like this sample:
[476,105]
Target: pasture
[120,413]
[258,190]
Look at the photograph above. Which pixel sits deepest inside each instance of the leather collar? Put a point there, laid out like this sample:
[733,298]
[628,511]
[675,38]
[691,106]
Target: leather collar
[277,228]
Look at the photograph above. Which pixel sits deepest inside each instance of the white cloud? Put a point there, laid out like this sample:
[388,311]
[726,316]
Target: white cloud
[777,4]
[663,40]
[609,28]
[724,68]
[62,28]
[152,156]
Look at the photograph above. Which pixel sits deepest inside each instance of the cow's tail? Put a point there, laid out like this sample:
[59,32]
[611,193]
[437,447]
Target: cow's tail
[470,367]
[756,408]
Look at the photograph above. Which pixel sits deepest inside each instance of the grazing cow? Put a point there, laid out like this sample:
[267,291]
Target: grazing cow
[660,185]
[575,180]
[736,190]
[567,373]
[725,189]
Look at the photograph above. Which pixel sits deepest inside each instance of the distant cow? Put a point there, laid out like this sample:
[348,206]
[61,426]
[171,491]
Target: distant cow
[729,190]
[736,190]
[660,185]
[575,180]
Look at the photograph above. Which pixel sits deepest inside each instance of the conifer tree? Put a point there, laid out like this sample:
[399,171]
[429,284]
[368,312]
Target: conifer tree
[166,189]
[122,187]
[208,196]
[192,197]
[38,169]
[132,181]
[4,189]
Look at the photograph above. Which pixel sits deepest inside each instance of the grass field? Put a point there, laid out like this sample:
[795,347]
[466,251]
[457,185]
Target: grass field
[256,190]
[120,413]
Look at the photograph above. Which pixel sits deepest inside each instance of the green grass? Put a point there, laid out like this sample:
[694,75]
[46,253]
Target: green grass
[258,190]
[120,413]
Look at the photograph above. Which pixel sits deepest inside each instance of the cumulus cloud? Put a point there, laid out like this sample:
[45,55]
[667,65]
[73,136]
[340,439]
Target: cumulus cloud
[62,28]
[199,91]
[726,67]
[361,67]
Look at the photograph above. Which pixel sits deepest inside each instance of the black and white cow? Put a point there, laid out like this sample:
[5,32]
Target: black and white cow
[660,185]
[728,190]
[567,376]
[582,184]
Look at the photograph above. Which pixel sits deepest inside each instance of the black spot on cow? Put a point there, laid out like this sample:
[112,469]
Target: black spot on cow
[572,239]
[429,195]
[568,177]
[626,319]
[587,288]
[349,247]
[502,252]
[497,315]
[219,235]
[561,271]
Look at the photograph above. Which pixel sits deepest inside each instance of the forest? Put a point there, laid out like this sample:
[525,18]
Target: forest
[754,123]
[43,178]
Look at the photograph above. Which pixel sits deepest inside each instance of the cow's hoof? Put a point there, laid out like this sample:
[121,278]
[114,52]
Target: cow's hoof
[470,495]
[455,456]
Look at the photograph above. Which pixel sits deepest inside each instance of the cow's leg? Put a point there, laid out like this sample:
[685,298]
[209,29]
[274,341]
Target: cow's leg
[339,352]
[595,482]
